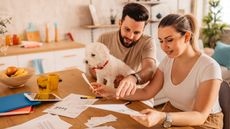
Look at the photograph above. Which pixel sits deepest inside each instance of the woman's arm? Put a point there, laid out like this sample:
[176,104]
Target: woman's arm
[206,96]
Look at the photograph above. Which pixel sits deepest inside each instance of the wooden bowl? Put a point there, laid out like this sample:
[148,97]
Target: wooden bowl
[17,81]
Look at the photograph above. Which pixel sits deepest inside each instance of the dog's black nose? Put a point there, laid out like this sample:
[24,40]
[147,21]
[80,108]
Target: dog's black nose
[86,61]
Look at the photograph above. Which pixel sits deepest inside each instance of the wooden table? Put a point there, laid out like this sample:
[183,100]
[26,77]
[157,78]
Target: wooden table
[72,83]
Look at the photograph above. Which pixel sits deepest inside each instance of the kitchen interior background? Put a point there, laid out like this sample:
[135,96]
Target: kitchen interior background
[72,15]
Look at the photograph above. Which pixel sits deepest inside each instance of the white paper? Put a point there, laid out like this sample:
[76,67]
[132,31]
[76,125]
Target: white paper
[120,108]
[71,106]
[93,13]
[102,127]
[86,80]
[95,121]
[44,122]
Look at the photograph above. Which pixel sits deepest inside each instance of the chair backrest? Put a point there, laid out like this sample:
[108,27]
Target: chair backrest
[224,98]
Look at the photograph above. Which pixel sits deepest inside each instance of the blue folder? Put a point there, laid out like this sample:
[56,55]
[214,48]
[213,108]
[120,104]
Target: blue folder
[15,101]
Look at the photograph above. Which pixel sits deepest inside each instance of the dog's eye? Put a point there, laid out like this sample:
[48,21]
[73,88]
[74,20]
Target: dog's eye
[92,55]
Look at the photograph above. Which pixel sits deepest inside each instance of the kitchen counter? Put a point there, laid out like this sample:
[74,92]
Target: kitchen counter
[46,47]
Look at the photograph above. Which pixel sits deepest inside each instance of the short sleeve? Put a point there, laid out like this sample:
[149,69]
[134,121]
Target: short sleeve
[149,50]
[212,71]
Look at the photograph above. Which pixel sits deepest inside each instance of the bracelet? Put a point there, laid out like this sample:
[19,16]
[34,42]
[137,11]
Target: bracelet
[138,78]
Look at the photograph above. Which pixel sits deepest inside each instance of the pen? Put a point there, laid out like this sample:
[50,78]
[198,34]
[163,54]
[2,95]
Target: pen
[127,103]
[91,97]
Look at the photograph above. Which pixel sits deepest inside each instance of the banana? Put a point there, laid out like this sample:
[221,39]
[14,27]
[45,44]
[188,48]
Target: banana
[22,74]
[19,72]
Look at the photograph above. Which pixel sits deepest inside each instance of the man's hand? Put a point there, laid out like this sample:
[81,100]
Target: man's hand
[118,80]
[126,87]
[102,90]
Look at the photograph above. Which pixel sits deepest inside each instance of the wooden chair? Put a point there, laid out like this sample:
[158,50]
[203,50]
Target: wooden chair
[224,98]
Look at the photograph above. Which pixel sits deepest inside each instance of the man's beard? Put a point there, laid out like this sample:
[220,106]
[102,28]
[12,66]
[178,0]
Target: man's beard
[127,45]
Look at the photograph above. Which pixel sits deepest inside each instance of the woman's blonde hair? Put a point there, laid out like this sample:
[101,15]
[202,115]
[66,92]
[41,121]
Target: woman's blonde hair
[183,24]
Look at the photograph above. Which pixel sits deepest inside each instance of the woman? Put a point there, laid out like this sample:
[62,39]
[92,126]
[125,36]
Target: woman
[190,79]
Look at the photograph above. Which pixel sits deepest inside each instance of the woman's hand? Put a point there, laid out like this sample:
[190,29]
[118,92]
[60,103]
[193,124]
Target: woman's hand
[126,87]
[150,118]
[103,91]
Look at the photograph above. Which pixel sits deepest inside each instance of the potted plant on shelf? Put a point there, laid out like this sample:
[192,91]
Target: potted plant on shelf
[3,30]
[113,16]
[213,25]
[3,23]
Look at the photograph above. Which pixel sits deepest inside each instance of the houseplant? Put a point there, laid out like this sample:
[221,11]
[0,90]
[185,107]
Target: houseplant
[213,25]
[3,23]
[113,16]
[3,30]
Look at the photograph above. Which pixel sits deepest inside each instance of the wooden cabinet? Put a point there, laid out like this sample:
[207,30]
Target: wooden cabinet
[56,60]
[50,57]
[8,61]
[69,59]
[32,60]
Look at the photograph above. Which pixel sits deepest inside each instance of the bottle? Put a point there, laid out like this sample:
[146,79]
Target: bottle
[8,40]
[15,39]
[47,39]
[56,37]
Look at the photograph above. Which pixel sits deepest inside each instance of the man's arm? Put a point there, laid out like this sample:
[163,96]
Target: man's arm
[147,71]
[128,87]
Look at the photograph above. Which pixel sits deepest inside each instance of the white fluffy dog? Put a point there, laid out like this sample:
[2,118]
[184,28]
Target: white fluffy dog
[98,57]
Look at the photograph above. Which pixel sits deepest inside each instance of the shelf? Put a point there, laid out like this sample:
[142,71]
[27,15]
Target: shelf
[153,21]
[146,2]
[101,26]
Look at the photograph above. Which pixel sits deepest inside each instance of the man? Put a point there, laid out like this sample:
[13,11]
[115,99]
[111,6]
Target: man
[131,46]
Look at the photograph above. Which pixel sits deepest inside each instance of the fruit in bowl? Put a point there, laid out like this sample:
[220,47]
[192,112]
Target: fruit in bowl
[11,70]
[15,77]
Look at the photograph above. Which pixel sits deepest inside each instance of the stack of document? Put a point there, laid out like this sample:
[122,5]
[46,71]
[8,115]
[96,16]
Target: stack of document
[44,122]
[25,110]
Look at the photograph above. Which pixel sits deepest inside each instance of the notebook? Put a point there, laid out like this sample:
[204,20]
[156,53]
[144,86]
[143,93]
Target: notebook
[15,101]
[25,110]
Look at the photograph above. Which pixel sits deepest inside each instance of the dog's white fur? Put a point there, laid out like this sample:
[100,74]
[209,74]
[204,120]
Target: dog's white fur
[96,55]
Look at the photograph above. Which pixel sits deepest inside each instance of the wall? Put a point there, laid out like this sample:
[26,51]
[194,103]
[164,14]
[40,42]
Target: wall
[70,15]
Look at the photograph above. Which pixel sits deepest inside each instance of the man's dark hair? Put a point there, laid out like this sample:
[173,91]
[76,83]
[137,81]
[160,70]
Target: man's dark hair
[135,11]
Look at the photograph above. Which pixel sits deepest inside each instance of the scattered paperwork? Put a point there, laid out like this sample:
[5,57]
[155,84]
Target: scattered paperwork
[71,106]
[95,121]
[120,108]
[102,127]
[44,122]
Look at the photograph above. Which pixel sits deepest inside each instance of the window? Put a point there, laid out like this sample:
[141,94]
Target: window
[225,11]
